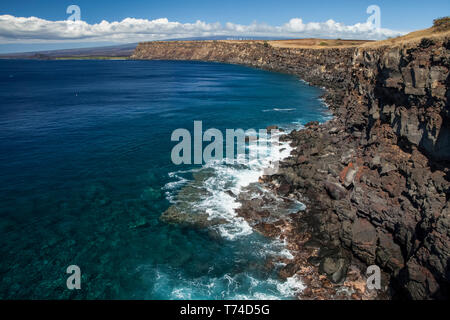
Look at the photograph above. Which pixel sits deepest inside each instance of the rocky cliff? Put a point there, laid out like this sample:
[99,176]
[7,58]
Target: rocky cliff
[376,178]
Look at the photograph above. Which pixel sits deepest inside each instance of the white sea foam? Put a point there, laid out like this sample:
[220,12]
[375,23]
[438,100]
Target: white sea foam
[291,287]
[279,109]
[305,82]
[218,203]
[322,100]
[182,294]
[327,114]
[276,248]
[240,286]
[174,185]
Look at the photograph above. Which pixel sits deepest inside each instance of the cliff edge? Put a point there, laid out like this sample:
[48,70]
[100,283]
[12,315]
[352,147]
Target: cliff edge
[376,178]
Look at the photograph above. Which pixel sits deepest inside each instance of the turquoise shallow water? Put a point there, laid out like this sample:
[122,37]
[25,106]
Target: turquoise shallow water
[85,173]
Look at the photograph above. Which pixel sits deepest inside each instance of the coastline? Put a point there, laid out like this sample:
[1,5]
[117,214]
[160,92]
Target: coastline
[376,177]
[327,270]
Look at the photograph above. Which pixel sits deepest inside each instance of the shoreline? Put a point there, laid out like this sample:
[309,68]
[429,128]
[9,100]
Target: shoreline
[311,255]
[381,174]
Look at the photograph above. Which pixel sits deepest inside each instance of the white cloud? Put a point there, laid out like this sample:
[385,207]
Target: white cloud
[32,29]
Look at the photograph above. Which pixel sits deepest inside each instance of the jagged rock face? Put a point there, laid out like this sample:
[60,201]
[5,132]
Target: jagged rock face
[321,67]
[408,89]
[376,178]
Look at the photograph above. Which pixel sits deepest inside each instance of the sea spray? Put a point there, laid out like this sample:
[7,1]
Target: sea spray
[219,189]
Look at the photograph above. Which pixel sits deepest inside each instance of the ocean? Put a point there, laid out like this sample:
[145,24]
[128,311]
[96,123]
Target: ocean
[86,173]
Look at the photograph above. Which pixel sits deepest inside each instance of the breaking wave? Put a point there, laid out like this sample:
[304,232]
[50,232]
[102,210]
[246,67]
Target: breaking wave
[279,109]
[218,183]
[240,286]
[213,189]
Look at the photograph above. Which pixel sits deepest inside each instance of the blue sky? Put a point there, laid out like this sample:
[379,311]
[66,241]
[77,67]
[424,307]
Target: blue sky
[398,14]
[395,15]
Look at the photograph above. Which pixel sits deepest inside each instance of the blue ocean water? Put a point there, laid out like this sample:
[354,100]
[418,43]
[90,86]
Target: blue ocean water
[85,174]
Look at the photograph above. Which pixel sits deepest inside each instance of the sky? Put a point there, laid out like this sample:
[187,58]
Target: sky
[42,24]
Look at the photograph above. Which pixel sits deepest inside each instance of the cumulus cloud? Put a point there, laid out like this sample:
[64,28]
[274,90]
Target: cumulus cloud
[33,29]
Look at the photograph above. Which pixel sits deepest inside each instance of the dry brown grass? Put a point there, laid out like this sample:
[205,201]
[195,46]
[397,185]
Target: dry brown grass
[316,43]
[440,29]
[434,32]
[410,38]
